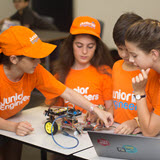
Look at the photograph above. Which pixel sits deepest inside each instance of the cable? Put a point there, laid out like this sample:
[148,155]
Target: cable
[64,133]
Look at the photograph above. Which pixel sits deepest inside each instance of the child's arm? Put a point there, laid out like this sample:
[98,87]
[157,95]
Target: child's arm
[81,101]
[21,128]
[108,104]
[149,122]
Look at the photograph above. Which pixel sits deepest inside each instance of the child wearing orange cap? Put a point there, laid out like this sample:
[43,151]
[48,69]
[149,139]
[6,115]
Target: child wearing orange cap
[20,53]
[124,103]
[84,63]
[143,43]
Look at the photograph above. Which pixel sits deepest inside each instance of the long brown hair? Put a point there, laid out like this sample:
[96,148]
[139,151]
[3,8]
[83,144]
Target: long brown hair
[66,57]
[145,34]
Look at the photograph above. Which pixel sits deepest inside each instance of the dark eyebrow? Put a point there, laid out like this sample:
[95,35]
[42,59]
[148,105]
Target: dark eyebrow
[92,43]
[78,42]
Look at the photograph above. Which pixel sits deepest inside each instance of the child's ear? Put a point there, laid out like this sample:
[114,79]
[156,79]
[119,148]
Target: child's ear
[155,54]
[13,59]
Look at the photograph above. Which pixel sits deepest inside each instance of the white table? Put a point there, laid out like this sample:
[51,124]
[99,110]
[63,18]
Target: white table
[39,138]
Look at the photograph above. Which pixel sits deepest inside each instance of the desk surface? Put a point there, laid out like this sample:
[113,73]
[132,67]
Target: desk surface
[40,138]
[49,35]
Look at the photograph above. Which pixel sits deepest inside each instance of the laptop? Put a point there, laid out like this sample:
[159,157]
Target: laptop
[132,147]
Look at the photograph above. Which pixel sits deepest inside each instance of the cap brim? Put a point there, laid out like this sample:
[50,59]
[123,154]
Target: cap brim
[41,51]
[83,31]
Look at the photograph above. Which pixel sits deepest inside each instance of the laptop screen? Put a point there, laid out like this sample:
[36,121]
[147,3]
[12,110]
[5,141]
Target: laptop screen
[135,147]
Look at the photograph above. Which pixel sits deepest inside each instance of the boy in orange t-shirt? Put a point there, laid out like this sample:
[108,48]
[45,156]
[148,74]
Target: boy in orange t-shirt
[20,53]
[124,102]
[85,63]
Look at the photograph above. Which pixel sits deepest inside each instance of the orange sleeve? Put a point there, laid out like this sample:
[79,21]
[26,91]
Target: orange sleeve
[59,102]
[157,110]
[56,76]
[47,84]
[153,90]
[107,83]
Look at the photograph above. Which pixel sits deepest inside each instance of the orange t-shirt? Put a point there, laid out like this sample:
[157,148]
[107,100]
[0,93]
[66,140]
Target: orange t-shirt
[124,103]
[93,85]
[14,96]
[153,90]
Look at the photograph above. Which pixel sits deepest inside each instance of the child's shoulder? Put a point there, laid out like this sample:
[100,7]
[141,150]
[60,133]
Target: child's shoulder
[153,75]
[104,69]
[118,63]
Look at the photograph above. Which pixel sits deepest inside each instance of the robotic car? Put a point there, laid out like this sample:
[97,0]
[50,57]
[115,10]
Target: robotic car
[68,119]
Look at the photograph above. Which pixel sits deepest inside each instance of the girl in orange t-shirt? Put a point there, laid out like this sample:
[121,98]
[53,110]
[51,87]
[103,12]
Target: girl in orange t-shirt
[85,63]
[143,43]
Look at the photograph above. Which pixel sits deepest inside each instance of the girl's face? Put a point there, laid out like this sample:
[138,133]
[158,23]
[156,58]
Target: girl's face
[84,47]
[28,65]
[138,57]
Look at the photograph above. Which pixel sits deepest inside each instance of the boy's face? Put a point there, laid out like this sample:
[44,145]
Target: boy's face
[27,65]
[20,4]
[123,53]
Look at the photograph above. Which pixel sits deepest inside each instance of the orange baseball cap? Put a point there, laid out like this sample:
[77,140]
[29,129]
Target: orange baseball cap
[20,40]
[86,25]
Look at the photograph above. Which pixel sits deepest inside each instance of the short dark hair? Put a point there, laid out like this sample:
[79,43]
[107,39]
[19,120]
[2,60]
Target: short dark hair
[121,26]
[5,60]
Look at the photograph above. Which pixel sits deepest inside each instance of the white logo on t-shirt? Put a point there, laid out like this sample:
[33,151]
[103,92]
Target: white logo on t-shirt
[84,92]
[13,101]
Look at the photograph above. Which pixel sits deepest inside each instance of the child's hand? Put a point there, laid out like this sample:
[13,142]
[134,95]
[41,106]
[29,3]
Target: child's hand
[90,117]
[105,116]
[139,82]
[137,130]
[99,122]
[126,127]
[23,128]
